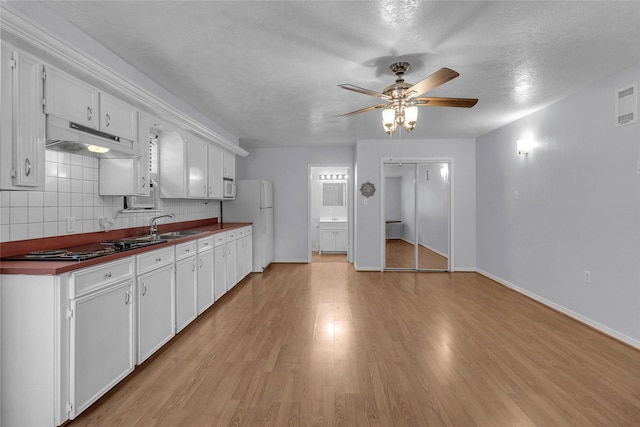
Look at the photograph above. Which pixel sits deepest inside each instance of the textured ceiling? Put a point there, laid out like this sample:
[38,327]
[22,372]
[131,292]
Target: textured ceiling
[268,70]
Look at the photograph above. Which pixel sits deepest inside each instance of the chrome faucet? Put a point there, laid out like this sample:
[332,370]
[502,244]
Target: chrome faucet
[153,227]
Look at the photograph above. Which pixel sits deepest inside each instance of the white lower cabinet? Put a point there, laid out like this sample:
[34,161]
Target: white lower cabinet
[156,307]
[220,270]
[205,294]
[186,283]
[245,252]
[102,351]
[232,259]
[334,237]
[68,339]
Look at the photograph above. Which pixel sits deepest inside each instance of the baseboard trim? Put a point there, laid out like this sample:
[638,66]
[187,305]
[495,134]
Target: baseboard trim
[567,312]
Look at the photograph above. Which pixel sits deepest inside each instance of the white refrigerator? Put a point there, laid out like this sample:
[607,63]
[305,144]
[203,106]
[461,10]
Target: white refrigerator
[254,203]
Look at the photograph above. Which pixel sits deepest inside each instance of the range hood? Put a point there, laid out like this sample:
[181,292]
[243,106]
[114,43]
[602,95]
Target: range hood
[70,137]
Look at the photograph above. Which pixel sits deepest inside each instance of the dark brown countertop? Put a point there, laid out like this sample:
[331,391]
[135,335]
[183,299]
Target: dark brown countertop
[209,227]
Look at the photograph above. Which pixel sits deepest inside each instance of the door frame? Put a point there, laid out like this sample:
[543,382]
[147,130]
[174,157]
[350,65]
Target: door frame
[349,202]
[416,160]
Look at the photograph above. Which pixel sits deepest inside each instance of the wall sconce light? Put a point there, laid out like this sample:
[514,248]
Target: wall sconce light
[444,172]
[523,146]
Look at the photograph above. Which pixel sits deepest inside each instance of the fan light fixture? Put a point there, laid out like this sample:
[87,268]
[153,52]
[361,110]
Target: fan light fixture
[399,116]
[401,99]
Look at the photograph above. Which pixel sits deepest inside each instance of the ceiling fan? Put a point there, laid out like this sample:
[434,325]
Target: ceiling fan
[402,98]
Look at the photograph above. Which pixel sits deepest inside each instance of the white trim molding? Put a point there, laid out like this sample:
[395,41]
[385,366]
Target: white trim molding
[28,34]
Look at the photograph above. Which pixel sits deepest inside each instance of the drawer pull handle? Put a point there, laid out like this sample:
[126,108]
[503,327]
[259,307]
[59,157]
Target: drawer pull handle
[158,259]
[27,167]
[144,289]
[187,250]
[89,113]
[108,120]
[108,275]
[193,267]
[127,297]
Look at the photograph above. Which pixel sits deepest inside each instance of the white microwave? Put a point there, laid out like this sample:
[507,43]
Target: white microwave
[228,188]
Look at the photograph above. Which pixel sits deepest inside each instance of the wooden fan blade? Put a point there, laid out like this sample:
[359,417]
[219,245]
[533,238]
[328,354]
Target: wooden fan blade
[432,81]
[364,91]
[446,102]
[373,107]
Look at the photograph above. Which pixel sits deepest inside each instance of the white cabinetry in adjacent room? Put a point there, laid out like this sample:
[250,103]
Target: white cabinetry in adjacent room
[334,236]
[205,294]
[186,283]
[197,179]
[219,265]
[156,307]
[101,332]
[22,134]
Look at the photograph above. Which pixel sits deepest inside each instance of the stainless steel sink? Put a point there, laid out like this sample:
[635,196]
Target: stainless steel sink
[178,234]
[164,236]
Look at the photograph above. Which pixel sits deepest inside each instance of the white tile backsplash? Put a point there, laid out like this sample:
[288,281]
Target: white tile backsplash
[71,190]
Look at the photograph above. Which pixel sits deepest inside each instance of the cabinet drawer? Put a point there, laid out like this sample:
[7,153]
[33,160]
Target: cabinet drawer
[94,278]
[248,230]
[231,235]
[205,243]
[239,233]
[155,259]
[184,250]
[219,239]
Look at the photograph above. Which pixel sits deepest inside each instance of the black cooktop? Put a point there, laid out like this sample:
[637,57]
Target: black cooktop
[83,252]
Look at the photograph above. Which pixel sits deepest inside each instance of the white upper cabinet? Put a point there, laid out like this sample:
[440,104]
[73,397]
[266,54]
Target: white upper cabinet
[70,98]
[22,134]
[197,179]
[117,117]
[215,169]
[229,165]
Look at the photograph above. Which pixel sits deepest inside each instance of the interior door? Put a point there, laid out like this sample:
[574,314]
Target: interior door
[433,195]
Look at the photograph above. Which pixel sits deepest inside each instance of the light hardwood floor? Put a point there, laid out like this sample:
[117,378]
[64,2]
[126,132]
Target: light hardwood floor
[401,254]
[320,344]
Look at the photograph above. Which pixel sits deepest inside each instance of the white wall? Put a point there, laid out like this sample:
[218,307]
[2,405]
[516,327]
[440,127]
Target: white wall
[368,221]
[287,168]
[578,208]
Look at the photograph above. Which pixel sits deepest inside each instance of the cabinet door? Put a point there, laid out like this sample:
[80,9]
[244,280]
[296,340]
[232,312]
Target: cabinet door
[229,160]
[327,240]
[220,271]
[197,185]
[101,343]
[156,310]
[186,275]
[28,121]
[118,118]
[205,280]
[215,169]
[341,240]
[232,264]
[70,98]
[245,257]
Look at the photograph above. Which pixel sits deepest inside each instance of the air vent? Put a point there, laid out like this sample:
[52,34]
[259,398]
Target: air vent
[627,105]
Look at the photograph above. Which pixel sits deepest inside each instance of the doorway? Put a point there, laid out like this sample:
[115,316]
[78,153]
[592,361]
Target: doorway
[417,215]
[330,217]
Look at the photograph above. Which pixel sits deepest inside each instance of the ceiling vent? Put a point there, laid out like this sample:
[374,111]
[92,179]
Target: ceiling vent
[627,105]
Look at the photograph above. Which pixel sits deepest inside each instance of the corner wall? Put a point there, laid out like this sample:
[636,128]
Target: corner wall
[578,209]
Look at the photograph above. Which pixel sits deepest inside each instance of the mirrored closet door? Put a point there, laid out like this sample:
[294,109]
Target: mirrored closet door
[417,215]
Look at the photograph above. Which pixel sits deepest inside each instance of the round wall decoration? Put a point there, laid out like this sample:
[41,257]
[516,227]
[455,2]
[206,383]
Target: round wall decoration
[367,189]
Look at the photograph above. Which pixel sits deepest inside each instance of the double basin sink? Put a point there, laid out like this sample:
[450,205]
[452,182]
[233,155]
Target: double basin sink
[164,236]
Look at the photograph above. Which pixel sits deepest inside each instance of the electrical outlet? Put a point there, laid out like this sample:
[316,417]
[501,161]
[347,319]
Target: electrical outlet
[71,224]
[587,276]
